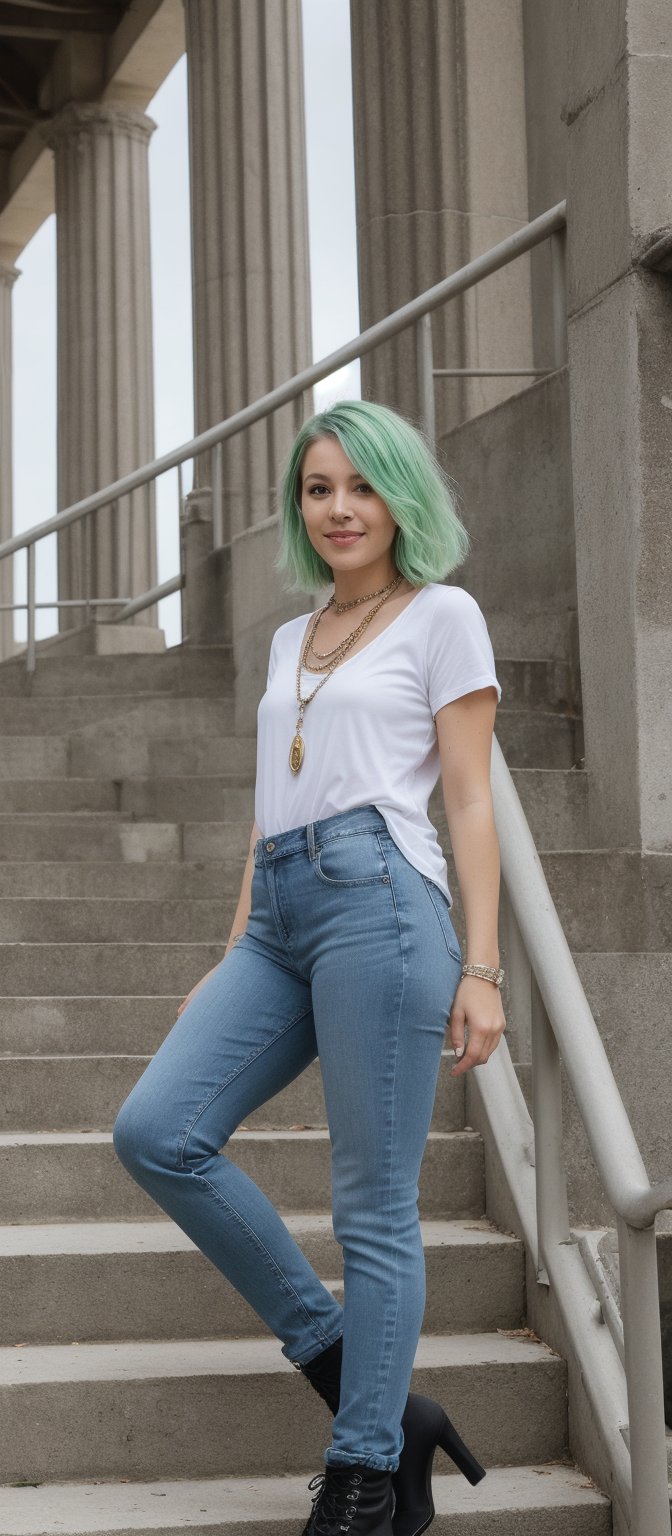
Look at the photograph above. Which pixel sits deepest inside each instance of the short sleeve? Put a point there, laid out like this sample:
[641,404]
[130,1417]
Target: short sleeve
[272,658]
[459,655]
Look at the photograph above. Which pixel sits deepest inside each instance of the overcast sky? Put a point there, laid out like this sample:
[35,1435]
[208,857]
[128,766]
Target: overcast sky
[334,298]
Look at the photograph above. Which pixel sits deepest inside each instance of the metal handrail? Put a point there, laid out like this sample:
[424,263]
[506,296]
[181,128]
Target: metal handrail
[418,311]
[563,1029]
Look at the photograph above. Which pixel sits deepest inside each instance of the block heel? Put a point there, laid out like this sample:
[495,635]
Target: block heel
[454,1446]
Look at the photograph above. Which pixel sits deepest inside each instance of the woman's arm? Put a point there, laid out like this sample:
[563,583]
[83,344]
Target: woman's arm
[240,919]
[464,730]
[245,899]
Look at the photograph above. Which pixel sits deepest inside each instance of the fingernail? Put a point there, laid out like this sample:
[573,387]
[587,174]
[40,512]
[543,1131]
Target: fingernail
[459,1050]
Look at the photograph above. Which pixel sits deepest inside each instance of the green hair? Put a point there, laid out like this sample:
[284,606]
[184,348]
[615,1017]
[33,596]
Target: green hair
[397,461]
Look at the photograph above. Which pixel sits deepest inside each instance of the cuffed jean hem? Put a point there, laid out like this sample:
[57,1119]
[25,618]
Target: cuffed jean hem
[379,1463]
[324,1346]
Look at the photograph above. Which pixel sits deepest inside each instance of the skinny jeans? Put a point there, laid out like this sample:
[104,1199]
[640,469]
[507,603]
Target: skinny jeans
[349,955]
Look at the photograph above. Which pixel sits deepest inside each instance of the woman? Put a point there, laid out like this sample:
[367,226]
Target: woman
[342,947]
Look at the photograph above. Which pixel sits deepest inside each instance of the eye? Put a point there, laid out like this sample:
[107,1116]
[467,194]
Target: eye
[363,486]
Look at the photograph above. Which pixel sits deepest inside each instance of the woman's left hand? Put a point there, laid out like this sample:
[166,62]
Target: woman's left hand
[478,1005]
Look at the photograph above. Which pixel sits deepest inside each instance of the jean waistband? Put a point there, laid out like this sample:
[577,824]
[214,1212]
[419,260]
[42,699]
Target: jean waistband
[308,838]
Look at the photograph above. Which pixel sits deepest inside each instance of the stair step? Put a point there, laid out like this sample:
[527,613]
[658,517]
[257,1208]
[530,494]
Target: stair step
[124,750]
[107,968]
[169,799]
[132,753]
[151,880]
[95,1281]
[558,806]
[550,1499]
[180,670]
[66,1176]
[117,920]
[87,837]
[191,1407]
[48,899]
[82,717]
[543,739]
[67,1092]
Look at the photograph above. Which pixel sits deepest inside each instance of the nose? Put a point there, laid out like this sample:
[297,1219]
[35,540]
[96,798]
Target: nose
[340,502]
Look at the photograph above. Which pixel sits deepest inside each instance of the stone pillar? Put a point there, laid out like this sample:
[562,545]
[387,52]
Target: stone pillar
[440,161]
[620,334]
[8,276]
[105,379]
[251,287]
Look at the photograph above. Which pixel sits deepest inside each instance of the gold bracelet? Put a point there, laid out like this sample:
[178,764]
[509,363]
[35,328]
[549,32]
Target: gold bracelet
[487,972]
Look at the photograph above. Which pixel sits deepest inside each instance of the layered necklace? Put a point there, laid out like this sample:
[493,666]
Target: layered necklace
[332,658]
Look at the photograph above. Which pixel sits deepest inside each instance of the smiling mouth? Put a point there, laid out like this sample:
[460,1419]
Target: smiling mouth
[341,538]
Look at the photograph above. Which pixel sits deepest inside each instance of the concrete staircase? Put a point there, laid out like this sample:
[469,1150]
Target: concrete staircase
[138,1390]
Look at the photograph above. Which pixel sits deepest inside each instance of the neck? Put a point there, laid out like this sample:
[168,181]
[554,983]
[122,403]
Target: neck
[349,585]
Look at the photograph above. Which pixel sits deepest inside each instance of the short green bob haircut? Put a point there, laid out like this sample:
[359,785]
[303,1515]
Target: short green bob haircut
[396,460]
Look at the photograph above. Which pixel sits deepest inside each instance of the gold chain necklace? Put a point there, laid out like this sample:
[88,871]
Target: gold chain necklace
[297,750]
[341,608]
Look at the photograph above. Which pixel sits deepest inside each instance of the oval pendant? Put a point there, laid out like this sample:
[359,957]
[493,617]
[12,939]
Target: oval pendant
[296,753]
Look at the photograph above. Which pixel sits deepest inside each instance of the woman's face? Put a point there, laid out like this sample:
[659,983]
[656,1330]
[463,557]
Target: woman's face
[336,497]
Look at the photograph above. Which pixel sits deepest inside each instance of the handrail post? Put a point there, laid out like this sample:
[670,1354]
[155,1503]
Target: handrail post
[520,979]
[559,287]
[425,364]
[551,1181]
[640,1310]
[30,595]
[218,538]
[180,527]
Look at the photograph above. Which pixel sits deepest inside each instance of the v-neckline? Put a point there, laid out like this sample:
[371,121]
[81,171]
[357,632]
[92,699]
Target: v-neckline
[365,648]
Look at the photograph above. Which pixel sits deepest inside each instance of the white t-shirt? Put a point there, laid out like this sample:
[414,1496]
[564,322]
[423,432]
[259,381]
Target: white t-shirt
[370,736]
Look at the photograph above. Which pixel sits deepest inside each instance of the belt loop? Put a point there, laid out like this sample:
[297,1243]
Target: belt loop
[310,833]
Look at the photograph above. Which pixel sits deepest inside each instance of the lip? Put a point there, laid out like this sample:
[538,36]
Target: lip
[344,538]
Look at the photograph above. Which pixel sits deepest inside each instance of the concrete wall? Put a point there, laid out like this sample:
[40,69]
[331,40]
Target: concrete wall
[512,465]
[545,25]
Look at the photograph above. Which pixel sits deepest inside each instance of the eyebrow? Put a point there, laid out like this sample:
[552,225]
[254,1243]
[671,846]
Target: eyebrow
[315,475]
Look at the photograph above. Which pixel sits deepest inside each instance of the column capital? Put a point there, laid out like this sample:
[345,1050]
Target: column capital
[96,117]
[8,273]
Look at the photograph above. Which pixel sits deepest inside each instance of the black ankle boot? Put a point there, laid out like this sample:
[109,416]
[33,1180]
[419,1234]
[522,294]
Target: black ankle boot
[425,1425]
[356,1499]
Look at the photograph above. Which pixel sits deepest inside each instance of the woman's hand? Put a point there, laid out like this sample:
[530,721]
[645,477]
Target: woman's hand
[478,1005]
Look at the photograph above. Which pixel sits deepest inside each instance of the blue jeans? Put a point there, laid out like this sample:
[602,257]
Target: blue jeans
[350,955]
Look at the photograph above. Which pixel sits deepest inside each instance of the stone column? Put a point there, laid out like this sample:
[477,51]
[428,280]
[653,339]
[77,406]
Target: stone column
[620,333]
[251,288]
[8,276]
[440,160]
[105,379]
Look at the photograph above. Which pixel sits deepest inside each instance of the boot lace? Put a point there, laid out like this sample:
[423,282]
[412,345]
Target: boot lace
[335,1503]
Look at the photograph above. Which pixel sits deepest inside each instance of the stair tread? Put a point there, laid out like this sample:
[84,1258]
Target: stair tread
[80,1138]
[89,1507]
[89,1237]
[160,1359]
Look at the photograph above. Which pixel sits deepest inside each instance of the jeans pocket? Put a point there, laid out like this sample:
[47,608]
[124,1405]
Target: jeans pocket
[442,909]
[351,859]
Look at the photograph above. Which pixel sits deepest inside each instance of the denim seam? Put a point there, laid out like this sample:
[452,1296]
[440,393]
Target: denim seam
[240,1067]
[261,1248]
[391,1142]
[255,1240]
[367,880]
[330,837]
[428,887]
